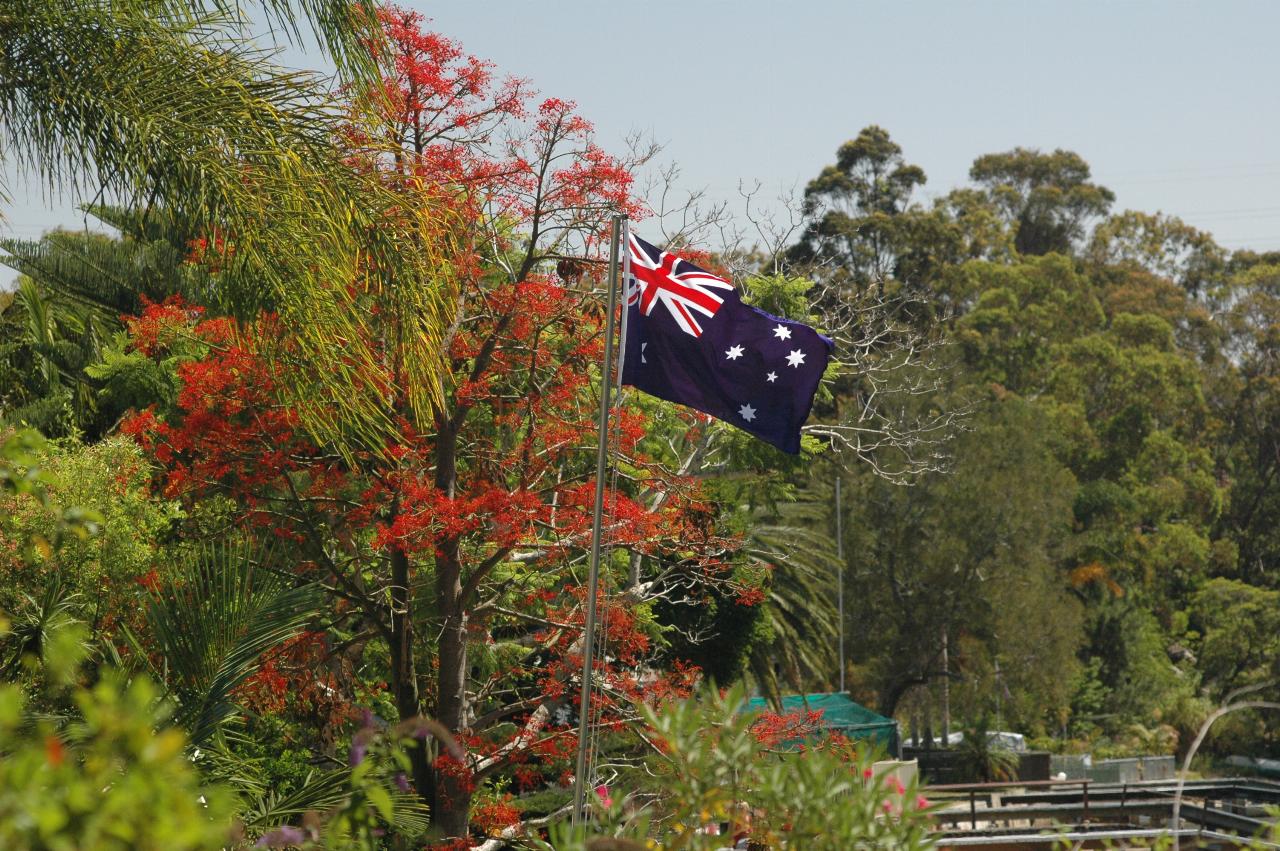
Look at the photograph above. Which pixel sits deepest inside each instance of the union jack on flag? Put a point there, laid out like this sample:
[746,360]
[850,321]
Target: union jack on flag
[685,290]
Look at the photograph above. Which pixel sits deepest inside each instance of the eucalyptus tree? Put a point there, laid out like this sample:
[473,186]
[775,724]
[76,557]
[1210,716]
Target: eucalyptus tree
[1048,199]
[858,210]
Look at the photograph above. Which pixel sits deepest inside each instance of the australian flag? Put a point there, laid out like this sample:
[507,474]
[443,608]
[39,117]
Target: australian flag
[691,340]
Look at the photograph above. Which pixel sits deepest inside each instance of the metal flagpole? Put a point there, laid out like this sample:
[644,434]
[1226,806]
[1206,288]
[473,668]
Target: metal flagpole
[626,282]
[840,576]
[593,576]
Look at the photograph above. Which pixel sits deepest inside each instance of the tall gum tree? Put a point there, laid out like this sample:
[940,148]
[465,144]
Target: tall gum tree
[1048,199]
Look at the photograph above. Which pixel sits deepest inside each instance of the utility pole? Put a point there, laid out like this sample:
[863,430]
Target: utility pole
[840,576]
[946,691]
[999,688]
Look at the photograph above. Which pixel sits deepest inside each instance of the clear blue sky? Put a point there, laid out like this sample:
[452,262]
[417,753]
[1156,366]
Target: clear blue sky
[1176,105]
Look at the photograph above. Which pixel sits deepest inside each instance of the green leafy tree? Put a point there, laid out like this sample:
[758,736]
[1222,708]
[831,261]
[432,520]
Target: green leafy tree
[1019,313]
[1128,676]
[857,207]
[1047,199]
[1136,411]
[1246,397]
[1239,628]
[102,573]
[967,553]
[1163,245]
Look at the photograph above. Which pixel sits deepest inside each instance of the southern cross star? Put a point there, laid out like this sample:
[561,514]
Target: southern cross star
[771,377]
[795,358]
[782,332]
[734,353]
[748,413]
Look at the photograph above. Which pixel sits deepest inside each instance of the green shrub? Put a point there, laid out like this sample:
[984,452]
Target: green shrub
[114,777]
[106,482]
[711,769]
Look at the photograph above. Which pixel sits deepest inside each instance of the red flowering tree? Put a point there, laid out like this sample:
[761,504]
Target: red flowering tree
[454,550]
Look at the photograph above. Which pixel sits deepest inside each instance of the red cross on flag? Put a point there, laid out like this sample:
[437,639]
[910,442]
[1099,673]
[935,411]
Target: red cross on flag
[681,287]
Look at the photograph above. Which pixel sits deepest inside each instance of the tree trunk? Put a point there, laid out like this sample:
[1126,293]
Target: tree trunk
[451,802]
[453,792]
[404,677]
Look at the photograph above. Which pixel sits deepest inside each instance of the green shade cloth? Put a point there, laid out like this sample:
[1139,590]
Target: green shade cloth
[839,714]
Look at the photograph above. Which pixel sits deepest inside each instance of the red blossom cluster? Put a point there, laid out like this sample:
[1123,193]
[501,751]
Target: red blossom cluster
[772,729]
[490,817]
[482,145]
[229,429]
[523,483]
[297,676]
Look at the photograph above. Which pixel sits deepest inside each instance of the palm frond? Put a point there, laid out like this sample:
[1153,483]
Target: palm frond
[324,790]
[41,328]
[800,603]
[212,626]
[344,29]
[147,101]
[35,620]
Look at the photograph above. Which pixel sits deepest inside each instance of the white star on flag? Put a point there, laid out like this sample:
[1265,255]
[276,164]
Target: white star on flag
[748,413]
[795,358]
[734,353]
[782,332]
[771,377]
[643,359]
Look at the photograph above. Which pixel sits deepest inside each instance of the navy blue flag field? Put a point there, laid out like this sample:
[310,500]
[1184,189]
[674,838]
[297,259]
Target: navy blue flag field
[691,340]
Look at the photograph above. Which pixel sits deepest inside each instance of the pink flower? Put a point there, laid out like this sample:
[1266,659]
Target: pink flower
[897,785]
[602,791]
[866,774]
[886,806]
[921,802]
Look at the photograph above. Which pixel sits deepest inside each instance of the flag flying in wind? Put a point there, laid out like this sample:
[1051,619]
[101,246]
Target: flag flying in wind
[691,340]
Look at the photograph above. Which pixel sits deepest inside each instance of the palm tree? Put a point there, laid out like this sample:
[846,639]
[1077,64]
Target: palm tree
[799,605]
[980,758]
[166,102]
[48,341]
[228,603]
[224,605]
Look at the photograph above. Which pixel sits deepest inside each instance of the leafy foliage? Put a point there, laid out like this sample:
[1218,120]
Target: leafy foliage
[117,776]
[218,613]
[99,489]
[710,769]
[165,103]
